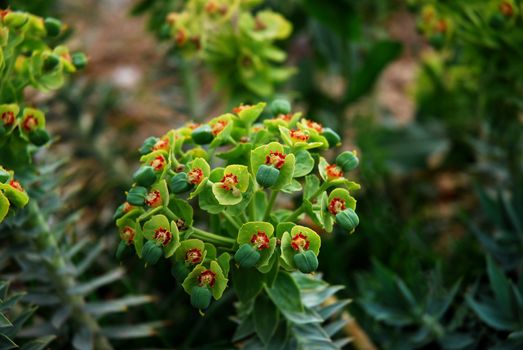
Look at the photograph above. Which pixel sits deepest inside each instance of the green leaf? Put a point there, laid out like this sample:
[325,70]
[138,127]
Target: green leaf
[6,343]
[38,344]
[304,163]
[489,313]
[265,317]
[285,293]
[247,283]
[500,286]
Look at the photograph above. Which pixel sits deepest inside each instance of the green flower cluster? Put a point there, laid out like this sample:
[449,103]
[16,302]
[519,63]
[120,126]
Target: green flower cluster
[11,193]
[443,23]
[236,44]
[26,59]
[233,168]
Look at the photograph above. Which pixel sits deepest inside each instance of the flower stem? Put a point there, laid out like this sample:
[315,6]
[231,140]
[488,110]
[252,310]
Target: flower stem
[232,220]
[212,237]
[272,199]
[295,214]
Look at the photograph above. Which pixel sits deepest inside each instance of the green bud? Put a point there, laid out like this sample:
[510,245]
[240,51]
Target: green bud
[202,135]
[79,60]
[180,271]
[51,62]
[38,137]
[247,256]
[4,176]
[165,32]
[267,175]
[136,195]
[151,252]
[201,297]
[123,251]
[179,184]
[145,176]
[347,161]
[52,26]
[280,106]
[306,261]
[332,137]
[148,145]
[348,219]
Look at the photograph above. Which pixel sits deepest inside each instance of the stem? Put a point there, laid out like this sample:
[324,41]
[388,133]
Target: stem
[231,220]
[212,237]
[272,199]
[252,209]
[46,243]
[294,215]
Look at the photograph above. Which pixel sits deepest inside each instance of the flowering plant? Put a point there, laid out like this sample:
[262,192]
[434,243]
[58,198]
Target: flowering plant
[233,168]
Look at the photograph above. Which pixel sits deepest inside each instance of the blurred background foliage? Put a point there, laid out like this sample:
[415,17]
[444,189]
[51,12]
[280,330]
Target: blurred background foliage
[429,92]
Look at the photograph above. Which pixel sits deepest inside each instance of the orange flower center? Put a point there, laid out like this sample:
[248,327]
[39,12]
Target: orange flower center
[336,205]
[180,37]
[219,126]
[260,240]
[229,182]
[333,171]
[127,207]
[158,163]
[299,135]
[161,144]
[506,9]
[313,125]
[195,176]
[300,242]
[275,158]
[241,108]
[153,199]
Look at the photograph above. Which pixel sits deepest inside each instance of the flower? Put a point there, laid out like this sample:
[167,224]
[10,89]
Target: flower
[207,277]
[313,125]
[241,108]
[260,240]
[163,236]
[275,158]
[195,176]
[29,123]
[336,205]
[127,234]
[193,256]
[158,163]
[8,118]
[229,182]
[153,199]
[300,242]
[299,135]
[16,185]
[161,145]
[333,171]
[219,126]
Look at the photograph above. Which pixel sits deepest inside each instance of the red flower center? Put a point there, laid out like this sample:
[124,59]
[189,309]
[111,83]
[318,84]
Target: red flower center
[229,182]
[153,198]
[300,242]
[195,176]
[333,171]
[275,158]
[260,240]
[161,144]
[219,126]
[158,163]
[180,37]
[207,277]
[313,125]
[29,123]
[8,118]
[441,26]
[299,135]
[336,205]
[211,7]
[16,185]
[193,256]
[127,234]
[241,108]
[163,236]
